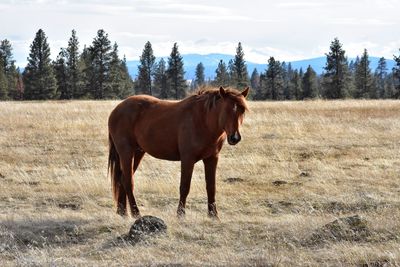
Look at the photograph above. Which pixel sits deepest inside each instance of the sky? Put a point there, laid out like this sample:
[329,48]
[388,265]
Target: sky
[289,30]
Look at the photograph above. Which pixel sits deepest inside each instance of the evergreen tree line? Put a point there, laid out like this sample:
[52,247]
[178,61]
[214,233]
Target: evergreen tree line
[339,80]
[161,79]
[11,85]
[98,73]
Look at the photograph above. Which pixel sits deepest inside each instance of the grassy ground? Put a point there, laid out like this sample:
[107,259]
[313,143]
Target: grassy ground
[300,166]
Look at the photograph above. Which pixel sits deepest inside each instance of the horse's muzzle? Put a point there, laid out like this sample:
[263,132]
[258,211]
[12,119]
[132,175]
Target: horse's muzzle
[235,138]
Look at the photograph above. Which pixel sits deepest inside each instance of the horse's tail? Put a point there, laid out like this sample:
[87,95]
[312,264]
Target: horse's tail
[114,168]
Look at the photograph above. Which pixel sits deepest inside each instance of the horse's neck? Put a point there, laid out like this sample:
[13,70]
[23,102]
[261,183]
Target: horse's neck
[212,121]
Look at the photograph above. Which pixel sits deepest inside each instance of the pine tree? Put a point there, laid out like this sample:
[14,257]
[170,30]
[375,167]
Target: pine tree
[38,76]
[231,73]
[10,70]
[100,53]
[3,81]
[146,70]
[221,75]
[161,80]
[274,80]
[6,54]
[363,78]
[60,71]
[239,73]
[301,73]
[396,77]
[200,79]
[86,72]
[353,64]
[176,73]
[390,91]
[114,77]
[309,84]
[336,82]
[255,85]
[285,77]
[296,86]
[352,76]
[380,78]
[289,78]
[126,86]
[12,75]
[18,93]
[73,71]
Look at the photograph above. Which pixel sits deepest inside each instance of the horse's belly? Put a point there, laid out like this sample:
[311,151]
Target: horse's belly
[161,148]
[166,155]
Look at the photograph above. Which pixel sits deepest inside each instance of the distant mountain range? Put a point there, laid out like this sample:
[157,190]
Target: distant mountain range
[211,61]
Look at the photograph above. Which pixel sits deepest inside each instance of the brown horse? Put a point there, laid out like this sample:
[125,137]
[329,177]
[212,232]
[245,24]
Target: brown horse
[188,131]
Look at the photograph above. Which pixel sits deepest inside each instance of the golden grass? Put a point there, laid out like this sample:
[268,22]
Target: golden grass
[334,158]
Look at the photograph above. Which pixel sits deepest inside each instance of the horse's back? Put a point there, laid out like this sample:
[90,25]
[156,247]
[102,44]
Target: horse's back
[131,107]
[124,115]
[148,122]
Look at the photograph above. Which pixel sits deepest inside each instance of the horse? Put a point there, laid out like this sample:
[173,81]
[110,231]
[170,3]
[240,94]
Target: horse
[189,130]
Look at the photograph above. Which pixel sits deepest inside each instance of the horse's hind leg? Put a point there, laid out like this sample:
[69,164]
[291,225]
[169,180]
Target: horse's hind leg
[139,153]
[121,200]
[126,157]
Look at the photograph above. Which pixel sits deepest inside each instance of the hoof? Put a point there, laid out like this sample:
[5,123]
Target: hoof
[181,212]
[212,211]
[136,215]
[214,216]
[121,212]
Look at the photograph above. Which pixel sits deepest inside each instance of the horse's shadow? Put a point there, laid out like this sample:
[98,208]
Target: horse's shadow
[24,234]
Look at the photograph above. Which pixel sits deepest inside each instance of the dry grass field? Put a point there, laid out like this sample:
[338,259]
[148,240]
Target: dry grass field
[300,166]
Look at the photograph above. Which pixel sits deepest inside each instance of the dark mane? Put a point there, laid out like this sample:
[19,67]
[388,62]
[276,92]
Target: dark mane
[211,95]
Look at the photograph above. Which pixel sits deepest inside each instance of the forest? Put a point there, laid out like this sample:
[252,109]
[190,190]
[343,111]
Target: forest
[98,72]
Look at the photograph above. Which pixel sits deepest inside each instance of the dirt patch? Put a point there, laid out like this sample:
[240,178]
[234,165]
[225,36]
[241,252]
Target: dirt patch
[307,155]
[232,180]
[376,263]
[304,174]
[283,207]
[353,228]
[71,203]
[344,207]
[71,206]
[31,183]
[162,202]
[28,234]
[331,207]
[279,182]
[270,136]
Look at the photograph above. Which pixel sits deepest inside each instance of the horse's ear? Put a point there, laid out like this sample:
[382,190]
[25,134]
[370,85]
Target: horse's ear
[245,93]
[222,92]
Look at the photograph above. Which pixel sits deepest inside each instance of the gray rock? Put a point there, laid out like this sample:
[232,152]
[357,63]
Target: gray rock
[147,225]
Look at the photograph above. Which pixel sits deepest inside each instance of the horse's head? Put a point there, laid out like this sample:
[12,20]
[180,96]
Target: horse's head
[233,108]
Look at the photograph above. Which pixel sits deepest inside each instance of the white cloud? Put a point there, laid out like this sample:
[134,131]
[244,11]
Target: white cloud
[288,30]
[297,5]
[362,21]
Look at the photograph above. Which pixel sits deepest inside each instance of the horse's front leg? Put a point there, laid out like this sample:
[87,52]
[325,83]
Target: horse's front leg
[210,168]
[186,178]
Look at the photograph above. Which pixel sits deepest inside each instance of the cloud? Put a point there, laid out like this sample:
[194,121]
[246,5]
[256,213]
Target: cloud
[361,21]
[298,5]
[354,49]
[142,36]
[288,29]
